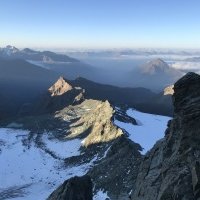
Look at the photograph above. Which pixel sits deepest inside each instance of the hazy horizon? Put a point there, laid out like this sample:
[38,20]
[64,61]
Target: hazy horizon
[96,49]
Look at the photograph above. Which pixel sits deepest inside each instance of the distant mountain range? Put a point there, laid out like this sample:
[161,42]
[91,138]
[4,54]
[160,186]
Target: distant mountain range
[193,59]
[59,63]
[154,75]
[12,52]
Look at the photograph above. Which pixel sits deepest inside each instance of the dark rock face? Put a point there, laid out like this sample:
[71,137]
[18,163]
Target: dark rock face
[117,172]
[171,170]
[76,188]
[123,117]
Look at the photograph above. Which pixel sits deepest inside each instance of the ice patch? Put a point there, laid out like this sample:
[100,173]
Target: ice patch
[106,152]
[151,128]
[100,195]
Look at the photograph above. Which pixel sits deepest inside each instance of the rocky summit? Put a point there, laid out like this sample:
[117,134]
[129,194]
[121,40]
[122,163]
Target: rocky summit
[155,66]
[171,170]
[60,87]
[59,95]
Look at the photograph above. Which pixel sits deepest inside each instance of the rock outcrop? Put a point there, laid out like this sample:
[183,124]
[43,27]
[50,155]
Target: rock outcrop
[171,170]
[169,90]
[99,123]
[76,188]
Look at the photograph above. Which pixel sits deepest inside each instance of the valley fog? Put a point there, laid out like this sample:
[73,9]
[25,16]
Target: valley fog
[115,71]
[125,70]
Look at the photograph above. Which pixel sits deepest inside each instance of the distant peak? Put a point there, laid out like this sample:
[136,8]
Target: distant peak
[27,50]
[9,50]
[60,87]
[155,66]
[61,78]
[158,62]
[10,47]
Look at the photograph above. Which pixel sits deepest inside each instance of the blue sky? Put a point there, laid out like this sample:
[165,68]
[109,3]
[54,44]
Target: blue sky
[100,23]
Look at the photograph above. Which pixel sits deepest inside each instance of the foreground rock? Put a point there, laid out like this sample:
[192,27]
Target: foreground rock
[171,170]
[76,188]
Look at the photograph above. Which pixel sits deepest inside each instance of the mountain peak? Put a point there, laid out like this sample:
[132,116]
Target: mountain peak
[60,87]
[9,50]
[11,47]
[155,66]
[27,50]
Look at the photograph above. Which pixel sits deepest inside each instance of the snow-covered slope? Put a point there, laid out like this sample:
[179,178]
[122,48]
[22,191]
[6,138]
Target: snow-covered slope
[44,151]
[150,128]
[29,171]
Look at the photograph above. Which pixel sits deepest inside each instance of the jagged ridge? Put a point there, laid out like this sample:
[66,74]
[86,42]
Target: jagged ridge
[171,169]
